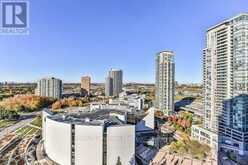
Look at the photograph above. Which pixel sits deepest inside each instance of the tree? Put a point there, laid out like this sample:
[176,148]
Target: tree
[183,123]
[118,161]
[25,103]
[57,105]
[188,124]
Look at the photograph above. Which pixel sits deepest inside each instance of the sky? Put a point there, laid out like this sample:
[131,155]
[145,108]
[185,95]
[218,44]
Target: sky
[69,39]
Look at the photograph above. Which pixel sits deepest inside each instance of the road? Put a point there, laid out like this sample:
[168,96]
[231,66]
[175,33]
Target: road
[25,119]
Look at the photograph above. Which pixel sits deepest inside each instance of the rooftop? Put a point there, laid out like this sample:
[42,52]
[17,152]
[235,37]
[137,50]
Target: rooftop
[96,117]
[227,20]
[166,51]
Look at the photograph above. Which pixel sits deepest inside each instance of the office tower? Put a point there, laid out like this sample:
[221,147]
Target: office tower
[165,85]
[116,75]
[109,87]
[113,86]
[49,87]
[225,77]
[85,85]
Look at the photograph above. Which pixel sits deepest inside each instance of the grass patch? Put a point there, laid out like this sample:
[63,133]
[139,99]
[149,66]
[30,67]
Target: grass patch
[6,123]
[179,97]
[32,131]
[26,131]
[23,131]
[37,121]
[192,147]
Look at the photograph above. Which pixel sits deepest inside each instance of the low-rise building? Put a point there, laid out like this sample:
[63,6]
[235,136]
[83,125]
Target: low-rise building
[205,136]
[129,103]
[133,100]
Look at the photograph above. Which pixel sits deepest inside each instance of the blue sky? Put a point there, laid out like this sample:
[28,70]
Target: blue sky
[69,39]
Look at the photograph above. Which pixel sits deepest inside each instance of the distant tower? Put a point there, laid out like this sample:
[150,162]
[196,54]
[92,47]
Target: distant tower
[109,86]
[116,75]
[49,87]
[114,82]
[85,85]
[165,85]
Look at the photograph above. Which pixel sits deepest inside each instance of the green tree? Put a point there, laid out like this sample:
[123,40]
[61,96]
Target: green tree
[118,161]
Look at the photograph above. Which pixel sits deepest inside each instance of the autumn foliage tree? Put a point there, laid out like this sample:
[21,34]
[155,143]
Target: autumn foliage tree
[182,121]
[22,103]
[69,102]
[25,103]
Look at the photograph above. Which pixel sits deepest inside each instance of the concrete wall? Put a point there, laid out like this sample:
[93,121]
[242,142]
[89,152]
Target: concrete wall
[149,119]
[44,115]
[88,145]
[147,123]
[58,141]
[121,144]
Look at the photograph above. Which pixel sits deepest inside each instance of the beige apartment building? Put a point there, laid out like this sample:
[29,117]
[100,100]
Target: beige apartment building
[85,85]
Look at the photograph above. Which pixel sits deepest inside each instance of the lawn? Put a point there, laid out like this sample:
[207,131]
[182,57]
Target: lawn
[22,131]
[192,147]
[179,97]
[25,131]
[32,131]
[6,123]
[37,121]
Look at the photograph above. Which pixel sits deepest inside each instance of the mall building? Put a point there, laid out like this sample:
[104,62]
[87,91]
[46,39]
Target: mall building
[99,137]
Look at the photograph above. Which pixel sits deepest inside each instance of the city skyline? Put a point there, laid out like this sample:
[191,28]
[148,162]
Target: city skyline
[145,30]
[124,82]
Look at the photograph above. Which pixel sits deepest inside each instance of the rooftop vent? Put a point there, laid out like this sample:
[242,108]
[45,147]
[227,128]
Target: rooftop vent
[87,120]
[64,117]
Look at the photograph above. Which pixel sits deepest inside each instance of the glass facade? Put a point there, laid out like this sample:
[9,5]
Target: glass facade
[240,55]
[239,113]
